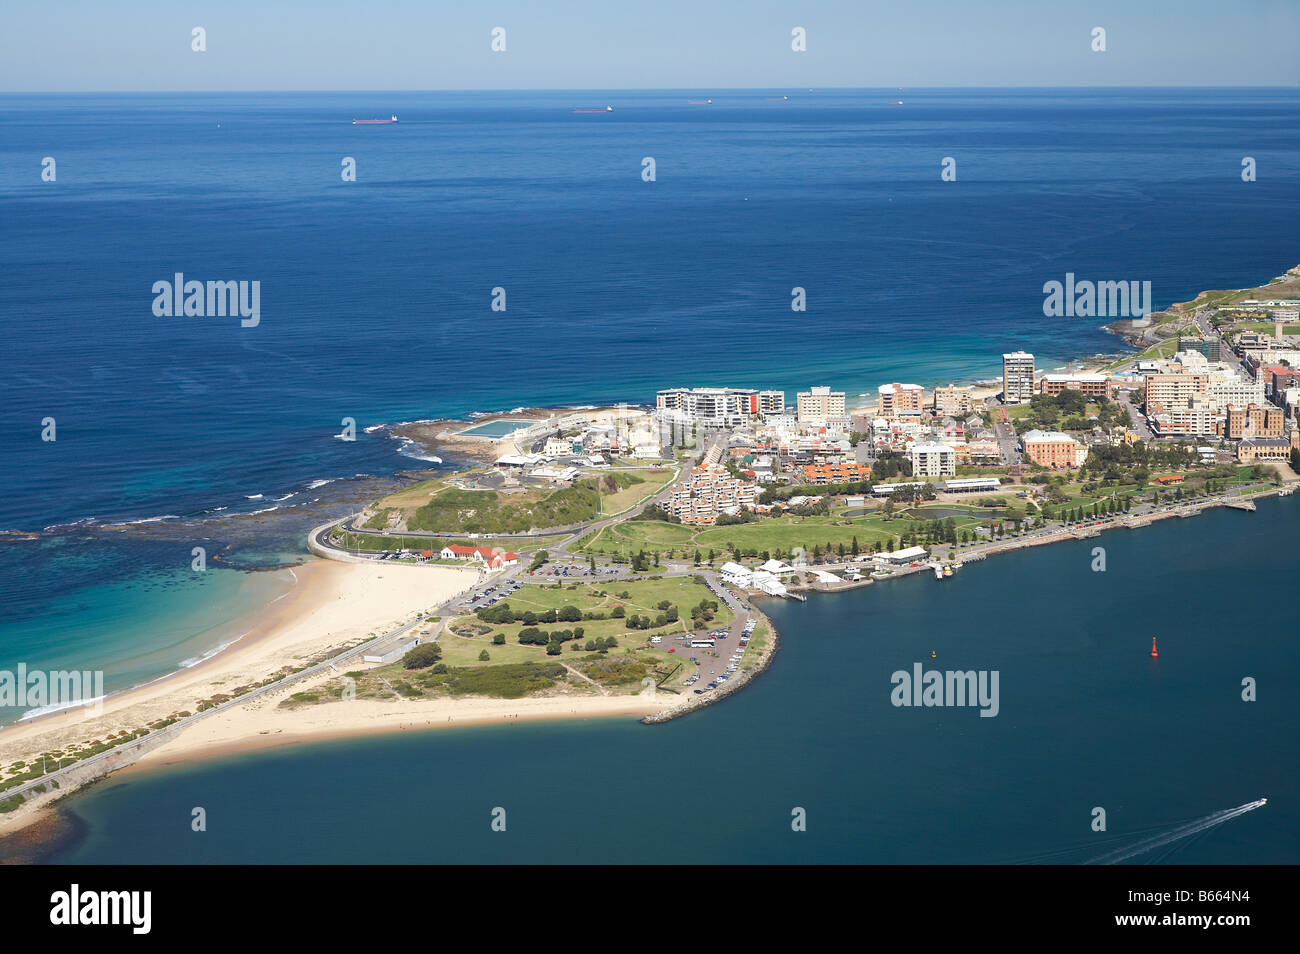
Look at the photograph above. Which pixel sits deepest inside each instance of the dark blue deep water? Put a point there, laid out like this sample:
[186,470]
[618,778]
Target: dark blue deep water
[375,295]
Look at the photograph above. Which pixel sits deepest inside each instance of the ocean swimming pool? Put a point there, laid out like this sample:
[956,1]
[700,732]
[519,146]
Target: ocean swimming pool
[497,428]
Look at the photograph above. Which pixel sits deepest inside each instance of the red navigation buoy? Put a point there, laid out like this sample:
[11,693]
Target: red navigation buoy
[1154,654]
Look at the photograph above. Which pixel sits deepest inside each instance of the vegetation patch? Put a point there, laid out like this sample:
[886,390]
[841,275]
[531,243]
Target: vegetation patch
[508,681]
[611,670]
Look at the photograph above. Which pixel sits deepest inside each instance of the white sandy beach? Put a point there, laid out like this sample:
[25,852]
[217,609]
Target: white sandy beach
[330,605]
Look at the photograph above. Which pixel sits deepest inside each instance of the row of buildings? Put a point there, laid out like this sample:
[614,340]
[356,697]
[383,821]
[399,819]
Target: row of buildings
[1189,395]
[707,492]
[738,407]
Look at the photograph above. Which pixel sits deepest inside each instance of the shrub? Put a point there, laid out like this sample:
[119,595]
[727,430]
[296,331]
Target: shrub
[422,656]
[501,613]
[532,636]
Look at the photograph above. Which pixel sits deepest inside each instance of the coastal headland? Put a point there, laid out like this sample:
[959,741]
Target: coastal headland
[572,570]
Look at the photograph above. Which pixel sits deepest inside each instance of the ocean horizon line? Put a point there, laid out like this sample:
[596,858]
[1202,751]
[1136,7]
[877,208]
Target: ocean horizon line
[621,89]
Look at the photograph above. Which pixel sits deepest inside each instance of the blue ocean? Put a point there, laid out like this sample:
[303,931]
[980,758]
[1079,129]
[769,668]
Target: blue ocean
[376,295]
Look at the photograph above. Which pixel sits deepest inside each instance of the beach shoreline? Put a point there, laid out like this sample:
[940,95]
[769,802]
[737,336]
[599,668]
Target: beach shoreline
[331,607]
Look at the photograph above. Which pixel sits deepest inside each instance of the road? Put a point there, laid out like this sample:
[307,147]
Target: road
[1135,417]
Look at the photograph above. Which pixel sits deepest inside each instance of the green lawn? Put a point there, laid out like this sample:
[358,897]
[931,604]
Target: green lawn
[771,534]
[650,483]
[643,599]
[1267,326]
[381,541]
[513,669]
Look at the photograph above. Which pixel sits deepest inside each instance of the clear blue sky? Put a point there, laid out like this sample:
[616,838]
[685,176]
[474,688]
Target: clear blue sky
[61,45]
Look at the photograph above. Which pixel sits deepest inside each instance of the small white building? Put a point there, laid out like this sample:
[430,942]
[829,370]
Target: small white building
[970,485]
[558,475]
[736,575]
[888,490]
[910,555]
[558,447]
[768,583]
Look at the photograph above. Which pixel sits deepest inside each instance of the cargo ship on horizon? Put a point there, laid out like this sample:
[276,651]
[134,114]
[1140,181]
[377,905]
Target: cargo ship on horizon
[374,122]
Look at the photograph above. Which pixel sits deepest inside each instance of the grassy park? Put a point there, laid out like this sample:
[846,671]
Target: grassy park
[439,506]
[580,638]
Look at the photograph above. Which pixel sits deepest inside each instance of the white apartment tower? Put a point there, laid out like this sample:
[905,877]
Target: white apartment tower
[771,402]
[1017,377]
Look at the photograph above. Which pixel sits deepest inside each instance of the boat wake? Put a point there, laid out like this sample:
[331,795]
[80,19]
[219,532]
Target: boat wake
[1121,847]
[1182,831]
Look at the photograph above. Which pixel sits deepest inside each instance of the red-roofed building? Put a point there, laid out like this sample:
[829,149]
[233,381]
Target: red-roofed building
[835,473]
[489,556]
